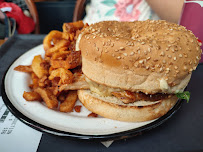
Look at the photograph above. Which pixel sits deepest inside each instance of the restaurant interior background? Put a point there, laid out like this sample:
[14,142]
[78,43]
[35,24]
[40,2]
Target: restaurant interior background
[53,13]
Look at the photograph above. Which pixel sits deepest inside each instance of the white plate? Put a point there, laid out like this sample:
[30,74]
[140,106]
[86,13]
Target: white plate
[38,116]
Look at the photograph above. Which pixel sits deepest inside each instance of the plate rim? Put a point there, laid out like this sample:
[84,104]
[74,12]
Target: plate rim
[114,136]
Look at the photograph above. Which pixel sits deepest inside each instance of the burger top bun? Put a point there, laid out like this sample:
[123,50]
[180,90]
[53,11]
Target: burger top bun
[148,56]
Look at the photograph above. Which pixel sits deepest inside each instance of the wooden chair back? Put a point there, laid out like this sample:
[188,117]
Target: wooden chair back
[79,9]
[34,14]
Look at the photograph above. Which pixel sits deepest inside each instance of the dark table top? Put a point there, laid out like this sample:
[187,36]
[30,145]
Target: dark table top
[183,132]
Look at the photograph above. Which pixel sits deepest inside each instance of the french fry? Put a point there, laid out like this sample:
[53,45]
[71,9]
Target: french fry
[68,104]
[66,76]
[62,43]
[48,97]
[62,97]
[39,70]
[72,61]
[60,55]
[23,68]
[35,80]
[72,27]
[31,96]
[52,80]
[50,38]
[44,82]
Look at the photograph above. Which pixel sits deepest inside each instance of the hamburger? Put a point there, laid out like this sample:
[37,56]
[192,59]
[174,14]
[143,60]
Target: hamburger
[135,69]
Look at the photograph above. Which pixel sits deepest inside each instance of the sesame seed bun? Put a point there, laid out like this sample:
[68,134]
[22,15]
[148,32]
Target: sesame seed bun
[112,108]
[148,56]
[142,56]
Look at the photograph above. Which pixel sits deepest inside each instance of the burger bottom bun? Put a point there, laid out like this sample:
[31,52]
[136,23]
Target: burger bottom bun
[113,108]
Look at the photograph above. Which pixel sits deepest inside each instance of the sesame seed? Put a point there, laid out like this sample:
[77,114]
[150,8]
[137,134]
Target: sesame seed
[162,54]
[164,61]
[148,58]
[97,48]
[116,50]
[136,65]
[149,49]
[122,48]
[132,53]
[142,43]
[197,57]
[180,55]
[147,67]
[141,61]
[118,57]
[176,67]
[133,38]
[125,67]
[174,58]
[152,69]
[145,52]
[173,50]
[125,54]
[158,65]
[185,68]
[167,49]
[94,37]
[117,38]
[158,47]
[169,56]
[105,51]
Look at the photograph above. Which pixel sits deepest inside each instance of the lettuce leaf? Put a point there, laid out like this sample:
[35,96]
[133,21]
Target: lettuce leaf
[184,95]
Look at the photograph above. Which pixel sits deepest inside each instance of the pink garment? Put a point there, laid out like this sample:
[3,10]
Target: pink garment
[127,10]
[25,24]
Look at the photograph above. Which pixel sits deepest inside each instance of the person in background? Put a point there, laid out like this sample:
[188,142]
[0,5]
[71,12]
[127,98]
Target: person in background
[15,18]
[132,10]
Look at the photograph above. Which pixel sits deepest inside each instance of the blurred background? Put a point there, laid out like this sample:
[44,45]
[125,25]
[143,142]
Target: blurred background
[53,13]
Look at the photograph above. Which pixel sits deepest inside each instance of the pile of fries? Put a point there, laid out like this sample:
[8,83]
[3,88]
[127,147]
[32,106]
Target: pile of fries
[60,66]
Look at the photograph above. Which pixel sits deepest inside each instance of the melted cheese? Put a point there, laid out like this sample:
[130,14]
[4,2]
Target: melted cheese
[102,90]
[78,42]
[164,85]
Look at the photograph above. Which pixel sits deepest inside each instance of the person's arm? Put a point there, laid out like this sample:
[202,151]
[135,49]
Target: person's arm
[169,10]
